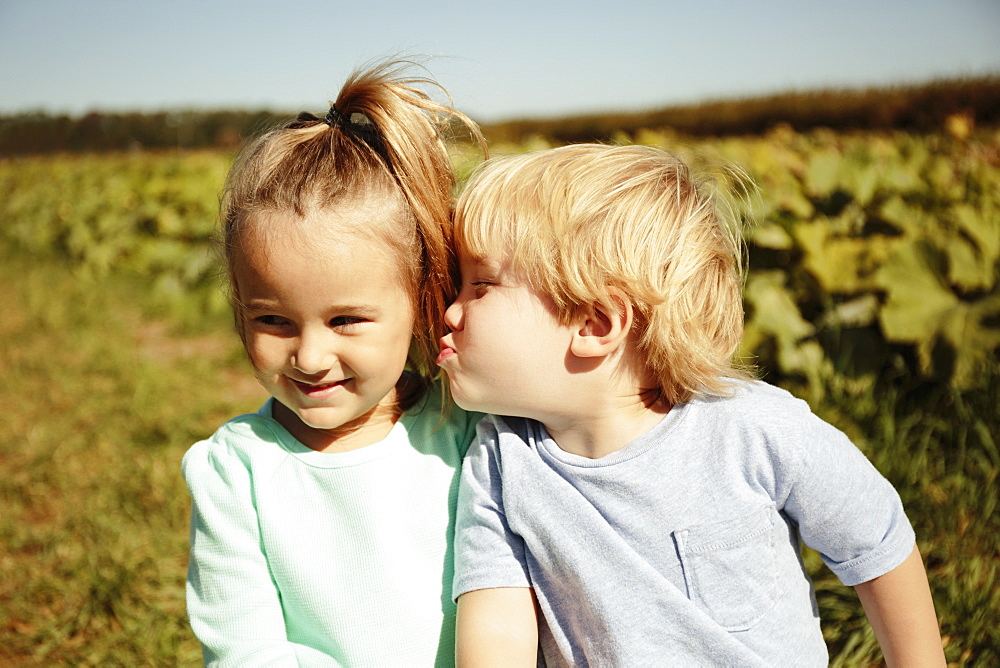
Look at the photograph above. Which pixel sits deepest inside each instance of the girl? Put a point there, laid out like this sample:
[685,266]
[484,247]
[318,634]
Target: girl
[322,523]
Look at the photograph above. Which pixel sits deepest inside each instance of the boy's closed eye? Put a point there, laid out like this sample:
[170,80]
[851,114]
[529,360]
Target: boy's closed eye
[480,287]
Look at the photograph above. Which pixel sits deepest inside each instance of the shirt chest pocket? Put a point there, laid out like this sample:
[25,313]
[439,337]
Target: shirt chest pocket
[729,568]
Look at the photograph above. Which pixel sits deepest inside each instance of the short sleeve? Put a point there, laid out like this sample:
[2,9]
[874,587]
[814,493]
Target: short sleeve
[487,553]
[845,509]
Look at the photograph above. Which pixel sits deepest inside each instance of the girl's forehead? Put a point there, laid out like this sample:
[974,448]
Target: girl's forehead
[355,214]
[364,220]
[296,263]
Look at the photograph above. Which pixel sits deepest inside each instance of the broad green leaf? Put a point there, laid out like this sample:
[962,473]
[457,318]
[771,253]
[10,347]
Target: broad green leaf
[858,312]
[916,293]
[769,235]
[774,315]
[966,341]
[842,264]
[983,226]
[967,269]
[905,217]
[823,174]
[862,182]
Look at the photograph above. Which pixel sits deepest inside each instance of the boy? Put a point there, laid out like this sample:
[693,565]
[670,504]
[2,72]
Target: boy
[642,494]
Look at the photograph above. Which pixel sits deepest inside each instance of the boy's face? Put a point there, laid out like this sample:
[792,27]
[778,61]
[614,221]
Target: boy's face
[507,352]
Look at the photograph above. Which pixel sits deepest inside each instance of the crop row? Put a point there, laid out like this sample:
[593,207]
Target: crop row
[867,250]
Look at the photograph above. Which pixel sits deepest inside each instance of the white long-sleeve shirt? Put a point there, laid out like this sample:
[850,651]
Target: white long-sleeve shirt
[307,558]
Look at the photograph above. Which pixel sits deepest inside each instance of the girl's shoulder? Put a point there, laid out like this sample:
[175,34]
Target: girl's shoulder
[436,422]
[237,441]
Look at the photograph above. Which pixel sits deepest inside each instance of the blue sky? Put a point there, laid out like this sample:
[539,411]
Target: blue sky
[501,59]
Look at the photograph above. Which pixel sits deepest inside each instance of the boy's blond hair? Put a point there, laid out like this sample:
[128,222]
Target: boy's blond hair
[578,220]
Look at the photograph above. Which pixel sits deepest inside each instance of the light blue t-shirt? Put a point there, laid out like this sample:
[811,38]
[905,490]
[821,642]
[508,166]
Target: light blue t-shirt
[683,548]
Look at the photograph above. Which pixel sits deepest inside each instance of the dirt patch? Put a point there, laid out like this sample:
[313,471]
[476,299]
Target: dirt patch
[157,344]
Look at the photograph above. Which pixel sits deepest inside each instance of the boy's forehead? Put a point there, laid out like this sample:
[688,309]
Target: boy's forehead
[477,261]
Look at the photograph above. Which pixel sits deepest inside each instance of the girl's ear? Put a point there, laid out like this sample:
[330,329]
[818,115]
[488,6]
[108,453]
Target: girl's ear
[601,331]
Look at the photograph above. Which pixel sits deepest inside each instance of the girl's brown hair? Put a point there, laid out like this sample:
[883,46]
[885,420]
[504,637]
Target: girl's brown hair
[384,138]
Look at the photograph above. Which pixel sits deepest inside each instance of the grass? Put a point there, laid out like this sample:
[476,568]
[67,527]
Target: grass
[102,399]
[938,448]
[101,403]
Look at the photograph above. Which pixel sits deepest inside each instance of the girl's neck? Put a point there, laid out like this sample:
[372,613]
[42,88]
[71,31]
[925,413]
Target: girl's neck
[366,429]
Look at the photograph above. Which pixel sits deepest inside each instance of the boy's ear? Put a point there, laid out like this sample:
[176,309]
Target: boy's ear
[601,330]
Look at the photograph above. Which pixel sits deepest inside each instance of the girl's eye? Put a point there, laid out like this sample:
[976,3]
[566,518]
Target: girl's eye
[480,287]
[271,320]
[345,321]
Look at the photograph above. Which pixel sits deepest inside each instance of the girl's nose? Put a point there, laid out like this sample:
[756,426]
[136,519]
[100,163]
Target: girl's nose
[453,314]
[314,353]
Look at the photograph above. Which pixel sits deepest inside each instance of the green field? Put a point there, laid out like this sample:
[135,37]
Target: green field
[874,294]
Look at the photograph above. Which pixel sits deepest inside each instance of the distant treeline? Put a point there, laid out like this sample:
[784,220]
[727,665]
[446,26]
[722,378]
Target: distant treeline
[35,133]
[914,108]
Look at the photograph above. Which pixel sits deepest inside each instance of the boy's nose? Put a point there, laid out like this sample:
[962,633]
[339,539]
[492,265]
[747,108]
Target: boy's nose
[453,315]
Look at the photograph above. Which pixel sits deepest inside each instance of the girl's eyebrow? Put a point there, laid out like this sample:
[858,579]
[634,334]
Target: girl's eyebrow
[259,304]
[367,310]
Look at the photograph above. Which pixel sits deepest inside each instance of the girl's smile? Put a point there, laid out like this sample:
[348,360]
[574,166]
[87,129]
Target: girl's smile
[319,390]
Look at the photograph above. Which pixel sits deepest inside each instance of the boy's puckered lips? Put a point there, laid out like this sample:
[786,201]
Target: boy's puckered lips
[447,350]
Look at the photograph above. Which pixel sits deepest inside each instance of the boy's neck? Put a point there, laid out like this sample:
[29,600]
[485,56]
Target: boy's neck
[608,426]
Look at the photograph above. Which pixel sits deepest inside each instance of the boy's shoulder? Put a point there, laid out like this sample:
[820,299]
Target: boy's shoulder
[751,397]
[746,402]
[757,412]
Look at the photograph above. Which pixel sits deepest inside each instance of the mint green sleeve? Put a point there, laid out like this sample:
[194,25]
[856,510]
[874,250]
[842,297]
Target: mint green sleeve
[233,604]
[470,435]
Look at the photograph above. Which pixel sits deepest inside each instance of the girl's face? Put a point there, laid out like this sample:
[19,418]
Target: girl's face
[327,324]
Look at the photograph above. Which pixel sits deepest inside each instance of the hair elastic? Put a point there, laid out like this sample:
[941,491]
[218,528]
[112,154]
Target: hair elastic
[335,119]
[356,124]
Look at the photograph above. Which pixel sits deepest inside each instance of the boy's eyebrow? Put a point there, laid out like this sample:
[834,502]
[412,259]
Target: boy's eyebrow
[487,264]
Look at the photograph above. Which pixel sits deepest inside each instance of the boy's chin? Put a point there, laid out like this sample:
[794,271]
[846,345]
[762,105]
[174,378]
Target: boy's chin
[494,408]
[465,403]
[472,403]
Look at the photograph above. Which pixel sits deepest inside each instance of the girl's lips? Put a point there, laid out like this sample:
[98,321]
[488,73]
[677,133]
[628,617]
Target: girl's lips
[318,390]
